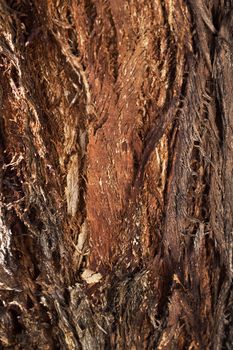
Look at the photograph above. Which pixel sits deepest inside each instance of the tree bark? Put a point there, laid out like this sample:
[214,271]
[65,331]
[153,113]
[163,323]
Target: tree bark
[116,163]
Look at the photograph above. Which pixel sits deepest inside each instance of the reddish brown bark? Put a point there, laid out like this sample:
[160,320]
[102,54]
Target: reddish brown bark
[116,174]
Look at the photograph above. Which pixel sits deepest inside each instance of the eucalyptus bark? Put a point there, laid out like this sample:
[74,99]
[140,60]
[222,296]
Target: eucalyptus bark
[116,163]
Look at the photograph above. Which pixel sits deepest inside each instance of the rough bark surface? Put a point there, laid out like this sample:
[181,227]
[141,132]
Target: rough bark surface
[116,164]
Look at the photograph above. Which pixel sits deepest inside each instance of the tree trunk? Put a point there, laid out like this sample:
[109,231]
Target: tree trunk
[116,164]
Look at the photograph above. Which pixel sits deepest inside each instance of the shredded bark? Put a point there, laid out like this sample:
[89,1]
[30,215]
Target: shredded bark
[116,163]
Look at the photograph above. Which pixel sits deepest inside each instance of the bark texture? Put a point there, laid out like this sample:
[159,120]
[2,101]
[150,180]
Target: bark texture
[116,164]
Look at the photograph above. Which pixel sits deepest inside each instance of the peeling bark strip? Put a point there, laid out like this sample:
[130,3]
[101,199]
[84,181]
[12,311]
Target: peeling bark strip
[116,166]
